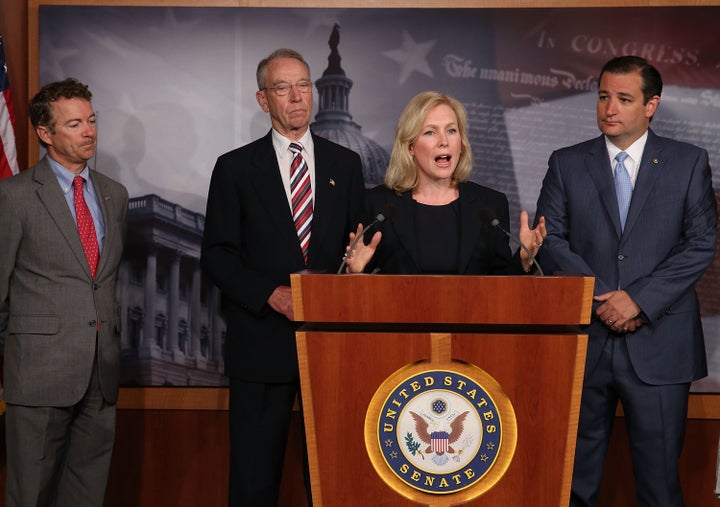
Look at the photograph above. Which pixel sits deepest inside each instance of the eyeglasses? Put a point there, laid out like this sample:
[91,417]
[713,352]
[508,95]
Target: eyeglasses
[284,88]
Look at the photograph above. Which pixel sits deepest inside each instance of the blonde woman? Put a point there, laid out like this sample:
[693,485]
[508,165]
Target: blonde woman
[440,221]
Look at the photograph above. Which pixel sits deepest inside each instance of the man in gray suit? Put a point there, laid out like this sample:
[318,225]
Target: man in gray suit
[62,231]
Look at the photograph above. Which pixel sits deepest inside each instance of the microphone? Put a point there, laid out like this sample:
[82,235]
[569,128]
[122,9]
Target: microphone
[386,214]
[489,218]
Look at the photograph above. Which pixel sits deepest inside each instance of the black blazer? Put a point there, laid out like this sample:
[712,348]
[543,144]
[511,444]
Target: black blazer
[484,250]
[250,247]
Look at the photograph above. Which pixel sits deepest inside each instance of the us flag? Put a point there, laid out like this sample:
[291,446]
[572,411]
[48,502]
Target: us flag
[8,150]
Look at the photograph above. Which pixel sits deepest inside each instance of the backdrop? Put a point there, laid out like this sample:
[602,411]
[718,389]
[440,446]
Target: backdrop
[175,87]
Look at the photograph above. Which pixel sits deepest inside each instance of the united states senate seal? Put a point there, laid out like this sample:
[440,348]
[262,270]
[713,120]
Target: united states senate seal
[441,431]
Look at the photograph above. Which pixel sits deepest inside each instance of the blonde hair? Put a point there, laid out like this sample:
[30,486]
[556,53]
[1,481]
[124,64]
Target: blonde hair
[401,175]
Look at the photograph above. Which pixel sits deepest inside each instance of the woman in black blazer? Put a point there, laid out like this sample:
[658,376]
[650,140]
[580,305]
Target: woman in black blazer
[438,221]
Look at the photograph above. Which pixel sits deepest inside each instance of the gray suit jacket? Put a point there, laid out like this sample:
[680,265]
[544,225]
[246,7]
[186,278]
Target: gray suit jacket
[51,310]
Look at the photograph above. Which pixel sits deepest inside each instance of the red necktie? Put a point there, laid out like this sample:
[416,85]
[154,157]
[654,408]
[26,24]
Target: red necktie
[86,227]
[301,196]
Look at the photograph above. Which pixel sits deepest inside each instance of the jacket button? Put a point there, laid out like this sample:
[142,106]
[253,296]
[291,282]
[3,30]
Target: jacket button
[621,257]
[92,323]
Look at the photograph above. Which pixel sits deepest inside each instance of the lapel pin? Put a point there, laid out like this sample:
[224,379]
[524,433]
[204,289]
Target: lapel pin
[655,161]
[332,182]
[107,197]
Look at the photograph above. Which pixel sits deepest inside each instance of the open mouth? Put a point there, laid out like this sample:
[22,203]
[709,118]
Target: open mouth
[443,158]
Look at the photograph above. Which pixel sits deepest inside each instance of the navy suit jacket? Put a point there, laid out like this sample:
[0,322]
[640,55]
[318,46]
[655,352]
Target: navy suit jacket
[668,242]
[250,247]
[484,250]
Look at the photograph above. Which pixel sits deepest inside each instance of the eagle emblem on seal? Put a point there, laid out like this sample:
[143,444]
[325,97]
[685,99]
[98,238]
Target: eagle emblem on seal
[440,439]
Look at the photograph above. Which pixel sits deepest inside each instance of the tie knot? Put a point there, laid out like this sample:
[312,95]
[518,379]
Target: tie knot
[78,184]
[296,147]
[620,157]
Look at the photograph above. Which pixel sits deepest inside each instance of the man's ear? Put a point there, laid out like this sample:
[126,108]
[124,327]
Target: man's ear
[652,106]
[44,134]
[262,100]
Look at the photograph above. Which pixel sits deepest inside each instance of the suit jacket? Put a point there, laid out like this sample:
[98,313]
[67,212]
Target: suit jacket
[484,250]
[668,242]
[52,312]
[250,247]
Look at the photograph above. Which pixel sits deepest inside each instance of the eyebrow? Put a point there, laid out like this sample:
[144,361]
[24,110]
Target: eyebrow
[91,117]
[435,126]
[619,94]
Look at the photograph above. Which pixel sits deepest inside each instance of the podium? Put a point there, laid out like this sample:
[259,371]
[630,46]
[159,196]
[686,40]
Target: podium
[405,377]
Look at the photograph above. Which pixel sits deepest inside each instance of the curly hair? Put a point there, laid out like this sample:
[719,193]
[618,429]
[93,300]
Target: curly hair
[41,111]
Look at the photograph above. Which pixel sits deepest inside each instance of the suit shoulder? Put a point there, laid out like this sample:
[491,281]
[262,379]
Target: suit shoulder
[472,189]
[580,148]
[246,150]
[111,190]
[326,145]
[109,182]
[21,178]
[381,193]
[670,144]
[23,181]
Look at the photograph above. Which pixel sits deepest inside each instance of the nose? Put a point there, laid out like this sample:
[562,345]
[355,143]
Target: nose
[443,139]
[90,130]
[295,94]
[610,107]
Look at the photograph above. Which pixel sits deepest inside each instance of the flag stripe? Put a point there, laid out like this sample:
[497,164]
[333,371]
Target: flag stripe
[8,148]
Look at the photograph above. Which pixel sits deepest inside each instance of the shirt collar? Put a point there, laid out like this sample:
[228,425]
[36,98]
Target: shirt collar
[65,176]
[282,144]
[634,151]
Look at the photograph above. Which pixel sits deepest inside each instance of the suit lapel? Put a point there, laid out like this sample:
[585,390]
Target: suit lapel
[469,230]
[264,176]
[50,194]
[325,193]
[598,164]
[111,231]
[650,166]
[404,225]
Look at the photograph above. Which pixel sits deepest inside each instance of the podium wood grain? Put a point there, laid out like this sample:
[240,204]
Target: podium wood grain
[361,329]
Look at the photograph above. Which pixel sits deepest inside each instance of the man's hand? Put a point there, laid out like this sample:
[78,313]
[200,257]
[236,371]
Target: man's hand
[281,301]
[619,312]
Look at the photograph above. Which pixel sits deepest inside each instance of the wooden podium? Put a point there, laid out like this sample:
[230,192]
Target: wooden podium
[364,335]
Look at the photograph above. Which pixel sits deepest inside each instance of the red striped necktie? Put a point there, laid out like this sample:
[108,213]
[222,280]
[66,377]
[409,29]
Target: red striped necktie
[86,227]
[301,196]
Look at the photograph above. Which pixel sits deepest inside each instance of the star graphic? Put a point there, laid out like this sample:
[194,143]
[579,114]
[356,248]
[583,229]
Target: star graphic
[411,57]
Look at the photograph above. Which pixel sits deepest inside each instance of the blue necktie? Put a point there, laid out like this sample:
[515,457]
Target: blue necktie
[623,187]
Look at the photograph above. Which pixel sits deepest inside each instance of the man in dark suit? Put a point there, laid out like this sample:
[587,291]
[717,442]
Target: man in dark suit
[256,234]
[62,231]
[645,340]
